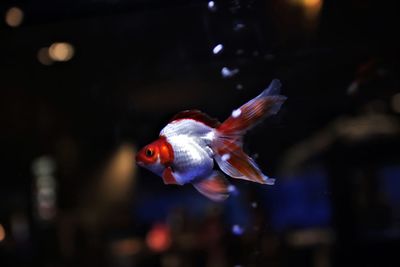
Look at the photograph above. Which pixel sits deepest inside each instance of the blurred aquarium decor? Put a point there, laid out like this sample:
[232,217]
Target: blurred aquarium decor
[84,84]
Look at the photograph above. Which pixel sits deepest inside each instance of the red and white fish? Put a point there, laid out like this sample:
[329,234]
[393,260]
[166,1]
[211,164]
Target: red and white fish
[191,142]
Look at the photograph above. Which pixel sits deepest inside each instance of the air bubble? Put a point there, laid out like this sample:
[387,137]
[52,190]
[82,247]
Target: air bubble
[235,6]
[227,73]
[238,26]
[269,57]
[236,113]
[231,189]
[212,6]
[353,87]
[239,52]
[218,49]
[225,157]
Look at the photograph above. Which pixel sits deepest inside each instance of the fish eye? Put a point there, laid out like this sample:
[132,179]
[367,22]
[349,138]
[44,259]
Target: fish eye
[149,152]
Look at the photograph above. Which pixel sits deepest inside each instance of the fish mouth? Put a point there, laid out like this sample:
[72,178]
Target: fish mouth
[141,164]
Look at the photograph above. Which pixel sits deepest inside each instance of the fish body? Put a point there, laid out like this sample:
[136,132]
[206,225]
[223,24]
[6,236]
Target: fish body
[192,141]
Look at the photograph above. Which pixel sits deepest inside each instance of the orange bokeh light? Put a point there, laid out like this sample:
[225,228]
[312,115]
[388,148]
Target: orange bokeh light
[14,17]
[159,238]
[312,3]
[2,233]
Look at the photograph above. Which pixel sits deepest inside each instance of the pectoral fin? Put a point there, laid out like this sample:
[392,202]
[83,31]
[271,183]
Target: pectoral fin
[168,176]
[215,187]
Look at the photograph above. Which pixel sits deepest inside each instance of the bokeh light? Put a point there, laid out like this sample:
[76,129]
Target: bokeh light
[43,168]
[311,8]
[61,51]
[44,57]
[158,239]
[2,233]
[14,17]
[118,175]
[312,3]
[228,73]
[395,103]
[237,229]
[126,247]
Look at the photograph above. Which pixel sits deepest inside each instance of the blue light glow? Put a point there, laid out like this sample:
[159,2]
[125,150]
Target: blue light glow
[237,229]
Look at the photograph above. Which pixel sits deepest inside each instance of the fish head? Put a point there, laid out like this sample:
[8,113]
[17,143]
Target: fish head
[155,156]
[148,155]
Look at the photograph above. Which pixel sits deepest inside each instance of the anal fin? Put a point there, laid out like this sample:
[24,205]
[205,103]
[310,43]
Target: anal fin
[214,187]
[236,163]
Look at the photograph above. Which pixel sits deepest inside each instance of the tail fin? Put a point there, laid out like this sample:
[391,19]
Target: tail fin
[228,144]
[266,104]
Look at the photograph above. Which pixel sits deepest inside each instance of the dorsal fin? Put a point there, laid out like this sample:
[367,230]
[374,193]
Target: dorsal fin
[196,115]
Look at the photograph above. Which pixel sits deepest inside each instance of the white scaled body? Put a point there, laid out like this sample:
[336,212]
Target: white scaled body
[193,156]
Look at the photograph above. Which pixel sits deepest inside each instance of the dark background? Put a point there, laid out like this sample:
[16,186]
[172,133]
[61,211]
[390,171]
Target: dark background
[71,195]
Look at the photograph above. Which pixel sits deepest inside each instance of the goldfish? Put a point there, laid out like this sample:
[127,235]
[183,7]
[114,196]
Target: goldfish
[192,142]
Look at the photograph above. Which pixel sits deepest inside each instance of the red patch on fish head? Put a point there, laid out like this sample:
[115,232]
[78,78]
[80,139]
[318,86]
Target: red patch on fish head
[166,151]
[159,151]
